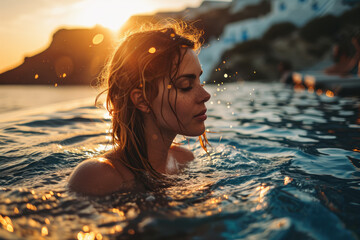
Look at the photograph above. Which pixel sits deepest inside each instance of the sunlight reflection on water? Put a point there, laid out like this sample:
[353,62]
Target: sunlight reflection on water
[281,164]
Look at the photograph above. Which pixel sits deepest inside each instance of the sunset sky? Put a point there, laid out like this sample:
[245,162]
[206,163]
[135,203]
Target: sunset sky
[26,26]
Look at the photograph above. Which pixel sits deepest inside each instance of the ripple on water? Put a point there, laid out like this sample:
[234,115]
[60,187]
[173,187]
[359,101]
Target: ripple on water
[282,165]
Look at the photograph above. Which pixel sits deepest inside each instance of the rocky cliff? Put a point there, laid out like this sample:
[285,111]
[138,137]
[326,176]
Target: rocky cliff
[74,57]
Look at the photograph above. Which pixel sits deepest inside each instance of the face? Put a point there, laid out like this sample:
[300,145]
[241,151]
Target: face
[183,101]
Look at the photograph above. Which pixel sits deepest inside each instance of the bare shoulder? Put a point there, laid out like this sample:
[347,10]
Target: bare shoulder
[182,155]
[97,176]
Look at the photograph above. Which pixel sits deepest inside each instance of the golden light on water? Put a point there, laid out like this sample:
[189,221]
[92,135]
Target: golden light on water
[299,88]
[6,223]
[16,210]
[309,81]
[31,207]
[10,228]
[107,115]
[86,228]
[329,93]
[297,78]
[287,180]
[262,192]
[89,236]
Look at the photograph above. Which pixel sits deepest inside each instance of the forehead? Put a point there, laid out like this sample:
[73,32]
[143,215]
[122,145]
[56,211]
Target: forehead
[190,62]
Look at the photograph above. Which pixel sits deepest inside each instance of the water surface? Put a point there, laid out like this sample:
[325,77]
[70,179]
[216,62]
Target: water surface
[283,165]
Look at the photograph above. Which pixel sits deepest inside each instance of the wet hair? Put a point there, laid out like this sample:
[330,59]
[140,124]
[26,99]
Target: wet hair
[142,59]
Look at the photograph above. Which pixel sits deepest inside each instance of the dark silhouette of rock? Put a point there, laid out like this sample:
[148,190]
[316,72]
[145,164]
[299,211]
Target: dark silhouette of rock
[74,57]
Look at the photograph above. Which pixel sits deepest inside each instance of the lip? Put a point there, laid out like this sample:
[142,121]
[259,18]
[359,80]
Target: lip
[201,116]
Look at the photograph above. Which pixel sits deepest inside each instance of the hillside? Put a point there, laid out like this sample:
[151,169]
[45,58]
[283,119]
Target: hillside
[300,48]
[74,57]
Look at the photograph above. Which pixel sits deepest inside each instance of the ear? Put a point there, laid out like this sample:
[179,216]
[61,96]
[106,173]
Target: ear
[136,96]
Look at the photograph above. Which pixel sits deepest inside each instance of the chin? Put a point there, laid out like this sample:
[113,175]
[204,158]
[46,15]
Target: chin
[196,132]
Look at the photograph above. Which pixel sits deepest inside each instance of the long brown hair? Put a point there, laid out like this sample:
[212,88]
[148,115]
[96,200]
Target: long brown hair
[142,59]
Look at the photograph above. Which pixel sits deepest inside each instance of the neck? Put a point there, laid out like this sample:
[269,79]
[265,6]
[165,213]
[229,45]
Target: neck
[158,144]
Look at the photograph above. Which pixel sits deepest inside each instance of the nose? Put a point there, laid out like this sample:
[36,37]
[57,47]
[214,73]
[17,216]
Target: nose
[204,95]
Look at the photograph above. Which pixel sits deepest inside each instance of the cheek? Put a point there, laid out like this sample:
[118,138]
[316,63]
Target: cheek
[184,105]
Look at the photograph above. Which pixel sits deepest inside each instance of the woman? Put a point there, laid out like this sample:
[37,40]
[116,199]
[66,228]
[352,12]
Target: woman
[154,93]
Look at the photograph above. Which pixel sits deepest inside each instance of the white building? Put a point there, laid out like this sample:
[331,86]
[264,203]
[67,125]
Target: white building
[298,12]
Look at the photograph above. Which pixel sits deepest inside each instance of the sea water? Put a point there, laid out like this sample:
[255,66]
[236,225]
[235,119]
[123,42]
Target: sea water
[282,164]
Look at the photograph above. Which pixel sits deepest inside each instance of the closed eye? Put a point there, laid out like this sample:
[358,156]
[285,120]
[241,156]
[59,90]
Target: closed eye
[186,89]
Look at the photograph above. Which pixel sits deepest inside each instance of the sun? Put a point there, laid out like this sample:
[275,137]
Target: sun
[111,14]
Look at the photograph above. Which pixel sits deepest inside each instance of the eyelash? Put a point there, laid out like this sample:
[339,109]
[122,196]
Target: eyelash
[189,88]
[186,89]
